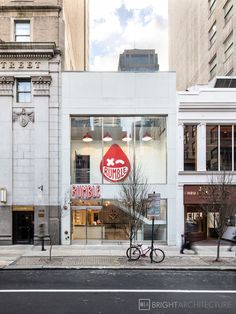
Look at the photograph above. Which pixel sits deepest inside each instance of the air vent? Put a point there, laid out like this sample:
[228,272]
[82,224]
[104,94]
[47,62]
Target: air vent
[225,82]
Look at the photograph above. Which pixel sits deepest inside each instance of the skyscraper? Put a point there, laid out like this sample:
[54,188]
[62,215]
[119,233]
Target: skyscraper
[138,60]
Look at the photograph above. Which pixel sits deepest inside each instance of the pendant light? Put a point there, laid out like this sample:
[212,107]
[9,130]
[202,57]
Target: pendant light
[147,137]
[107,137]
[87,138]
[126,138]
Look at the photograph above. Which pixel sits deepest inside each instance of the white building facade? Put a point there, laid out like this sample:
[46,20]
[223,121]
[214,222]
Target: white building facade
[206,149]
[112,122]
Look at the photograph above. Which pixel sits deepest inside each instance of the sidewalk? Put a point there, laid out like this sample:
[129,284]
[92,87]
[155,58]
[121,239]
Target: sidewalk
[110,256]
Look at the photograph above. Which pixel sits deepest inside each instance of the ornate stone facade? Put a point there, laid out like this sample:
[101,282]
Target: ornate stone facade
[29,125]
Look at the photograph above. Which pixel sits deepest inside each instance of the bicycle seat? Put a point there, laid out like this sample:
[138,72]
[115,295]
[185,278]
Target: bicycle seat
[139,244]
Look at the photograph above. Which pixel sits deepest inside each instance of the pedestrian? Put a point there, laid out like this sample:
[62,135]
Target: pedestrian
[233,241]
[187,243]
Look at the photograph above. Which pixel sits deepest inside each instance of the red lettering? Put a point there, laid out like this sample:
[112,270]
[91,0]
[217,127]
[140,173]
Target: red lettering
[85,191]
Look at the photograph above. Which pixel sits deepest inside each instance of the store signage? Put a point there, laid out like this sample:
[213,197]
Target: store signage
[115,165]
[85,191]
[154,206]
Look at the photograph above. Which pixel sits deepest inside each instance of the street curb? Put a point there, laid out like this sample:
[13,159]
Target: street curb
[197,268]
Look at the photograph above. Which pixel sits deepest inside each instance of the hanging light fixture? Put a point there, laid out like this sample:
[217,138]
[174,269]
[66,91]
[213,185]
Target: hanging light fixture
[126,138]
[107,137]
[147,137]
[87,138]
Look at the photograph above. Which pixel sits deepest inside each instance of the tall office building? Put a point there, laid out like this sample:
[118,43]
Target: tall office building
[138,60]
[76,14]
[201,40]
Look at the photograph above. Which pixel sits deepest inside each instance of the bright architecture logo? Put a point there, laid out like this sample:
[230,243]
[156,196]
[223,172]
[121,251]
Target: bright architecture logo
[144,304]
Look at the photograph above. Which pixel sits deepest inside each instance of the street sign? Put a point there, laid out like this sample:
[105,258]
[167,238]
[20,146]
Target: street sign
[154,205]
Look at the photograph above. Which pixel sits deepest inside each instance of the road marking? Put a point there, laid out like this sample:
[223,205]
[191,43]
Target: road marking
[113,291]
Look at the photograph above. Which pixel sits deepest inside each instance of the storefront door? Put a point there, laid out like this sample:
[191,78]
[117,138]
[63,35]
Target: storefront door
[23,227]
[87,226]
[196,222]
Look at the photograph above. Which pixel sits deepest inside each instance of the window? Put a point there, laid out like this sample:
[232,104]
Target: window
[82,169]
[226,147]
[231,72]
[103,148]
[228,45]
[190,145]
[213,67]
[212,34]
[228,10]
[23,90]
[234,149]
[212,147]
[22,31]
[212,5]
[220,147]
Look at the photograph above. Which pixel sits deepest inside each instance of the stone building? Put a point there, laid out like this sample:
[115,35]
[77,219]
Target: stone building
[32,45]
[201,40]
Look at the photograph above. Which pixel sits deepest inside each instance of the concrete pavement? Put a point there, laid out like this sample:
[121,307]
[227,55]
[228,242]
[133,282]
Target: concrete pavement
[110,256]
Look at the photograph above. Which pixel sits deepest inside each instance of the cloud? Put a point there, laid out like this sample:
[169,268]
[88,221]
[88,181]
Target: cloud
[125,24]
[124,15]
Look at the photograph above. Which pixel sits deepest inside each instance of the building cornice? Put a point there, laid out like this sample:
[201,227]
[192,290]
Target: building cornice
[206,107]
[34,8]
[11,50]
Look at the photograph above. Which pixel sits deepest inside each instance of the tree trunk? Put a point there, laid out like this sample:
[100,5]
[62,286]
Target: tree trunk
[131,237]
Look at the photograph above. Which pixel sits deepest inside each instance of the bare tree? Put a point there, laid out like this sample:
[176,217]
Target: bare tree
[134,199]
[216,198]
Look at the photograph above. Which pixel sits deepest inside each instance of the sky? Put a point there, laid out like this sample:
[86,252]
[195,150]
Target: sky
[116,25]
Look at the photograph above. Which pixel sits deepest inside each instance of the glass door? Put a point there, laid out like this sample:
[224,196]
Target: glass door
[94,225]
[87,226]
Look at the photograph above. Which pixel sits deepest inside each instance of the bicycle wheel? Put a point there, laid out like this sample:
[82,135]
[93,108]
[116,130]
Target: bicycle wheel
[133,253]
[157,255]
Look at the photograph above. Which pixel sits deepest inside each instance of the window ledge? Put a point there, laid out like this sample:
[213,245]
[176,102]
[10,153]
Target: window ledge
[205,172]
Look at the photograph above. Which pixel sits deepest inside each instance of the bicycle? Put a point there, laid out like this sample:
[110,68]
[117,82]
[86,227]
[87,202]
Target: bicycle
[136,251]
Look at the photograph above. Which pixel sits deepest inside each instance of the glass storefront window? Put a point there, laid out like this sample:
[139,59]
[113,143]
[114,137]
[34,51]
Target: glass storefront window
[212,147]
[86,149]
[226,147]
[220,147]
[190,147]
[103,149]
[150,147]
[234,146]
[106,221]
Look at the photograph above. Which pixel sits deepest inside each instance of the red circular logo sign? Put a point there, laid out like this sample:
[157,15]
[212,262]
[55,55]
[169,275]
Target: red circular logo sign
[115,165]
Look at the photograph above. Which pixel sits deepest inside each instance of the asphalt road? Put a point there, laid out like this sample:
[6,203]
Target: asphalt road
[117,291]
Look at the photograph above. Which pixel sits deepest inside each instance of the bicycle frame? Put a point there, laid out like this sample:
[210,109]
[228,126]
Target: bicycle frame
[144,251]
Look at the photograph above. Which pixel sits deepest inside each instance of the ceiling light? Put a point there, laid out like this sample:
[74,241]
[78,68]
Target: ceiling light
[147,137]
[107,137]
[87,138]
[126,138]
